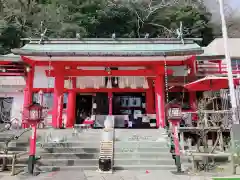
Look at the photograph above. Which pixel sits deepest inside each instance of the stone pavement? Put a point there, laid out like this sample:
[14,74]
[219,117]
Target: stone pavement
[119,175]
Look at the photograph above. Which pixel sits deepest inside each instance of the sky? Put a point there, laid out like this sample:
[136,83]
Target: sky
[235,2]
[214,7]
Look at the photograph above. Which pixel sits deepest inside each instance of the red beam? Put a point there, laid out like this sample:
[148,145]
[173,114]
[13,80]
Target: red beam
[74,72]
[105,63]
[92,90]
[218,72]
[12,69]
[11,74]
[4,63]
[11,65]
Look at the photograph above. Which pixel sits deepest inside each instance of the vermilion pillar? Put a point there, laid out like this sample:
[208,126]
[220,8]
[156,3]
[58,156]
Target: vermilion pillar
[58,97]
[192,94]
[160,101]
[150,97]
[27,95]
[71,105]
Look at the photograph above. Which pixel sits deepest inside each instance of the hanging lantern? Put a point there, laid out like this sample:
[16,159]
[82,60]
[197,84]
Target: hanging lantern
[145,83]
[109,83]
[133,85]
[35,113]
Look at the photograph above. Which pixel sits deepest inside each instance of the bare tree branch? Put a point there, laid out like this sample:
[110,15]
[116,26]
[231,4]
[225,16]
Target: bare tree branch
[159,25]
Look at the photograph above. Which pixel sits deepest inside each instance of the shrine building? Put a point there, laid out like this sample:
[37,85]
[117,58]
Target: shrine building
[80,78]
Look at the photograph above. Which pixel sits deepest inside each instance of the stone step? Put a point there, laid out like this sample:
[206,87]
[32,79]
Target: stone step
[18,149]
[67,168]
[146,167]
[133,144]
[70,155]
[140,133]
[127,167]
[141,149]
[62,149]
[62,156]
[92,162]
[15,144]
[86,144]
[67,162]
[69,150]
[144,155]
[133,161]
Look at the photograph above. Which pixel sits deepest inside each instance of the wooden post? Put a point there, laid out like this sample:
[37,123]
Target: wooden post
[58,98]
[28,95]
[160,101]
[71,105]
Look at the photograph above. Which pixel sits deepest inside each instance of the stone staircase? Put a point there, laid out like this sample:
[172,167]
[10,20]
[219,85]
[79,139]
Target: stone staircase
[134,149]
[77,151]
[142,149]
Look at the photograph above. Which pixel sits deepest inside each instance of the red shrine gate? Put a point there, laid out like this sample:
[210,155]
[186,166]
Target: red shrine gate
[61,72]
[65,59]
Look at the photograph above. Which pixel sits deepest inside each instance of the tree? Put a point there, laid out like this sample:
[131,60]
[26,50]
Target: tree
[232,18]
[162,19]
[100,18]
[27,18]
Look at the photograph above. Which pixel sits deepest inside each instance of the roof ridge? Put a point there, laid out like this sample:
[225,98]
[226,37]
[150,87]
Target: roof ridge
[116,39]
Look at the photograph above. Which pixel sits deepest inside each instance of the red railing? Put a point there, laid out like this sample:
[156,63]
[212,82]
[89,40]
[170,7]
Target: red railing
[209,68]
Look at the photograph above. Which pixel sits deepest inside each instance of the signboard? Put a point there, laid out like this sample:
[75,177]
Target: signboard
[174,112]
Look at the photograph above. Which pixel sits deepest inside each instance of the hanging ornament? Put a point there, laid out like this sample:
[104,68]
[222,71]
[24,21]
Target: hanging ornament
[115,80]
[67,83]
[126,82]
[95,85]
[133,85]
[121,82]
[145,83]
[166,79]
[81,83]
[109,83]
[102,81]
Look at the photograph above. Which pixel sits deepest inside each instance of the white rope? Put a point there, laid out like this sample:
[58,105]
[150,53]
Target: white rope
[49,70]
[166,79]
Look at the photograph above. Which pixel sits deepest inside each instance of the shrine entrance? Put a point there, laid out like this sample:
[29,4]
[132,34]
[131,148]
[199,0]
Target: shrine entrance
[83,107]
[132,107]
[110,66]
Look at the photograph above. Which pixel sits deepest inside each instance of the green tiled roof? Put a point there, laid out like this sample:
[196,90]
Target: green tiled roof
[109,47]
[10,57]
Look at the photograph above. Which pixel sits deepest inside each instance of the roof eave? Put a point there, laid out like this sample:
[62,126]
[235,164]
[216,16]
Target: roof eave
[10,58]
[110,54]
[213,57]
[111,39]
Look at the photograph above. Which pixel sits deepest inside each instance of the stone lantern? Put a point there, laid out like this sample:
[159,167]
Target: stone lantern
[34,115]
[174,117]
